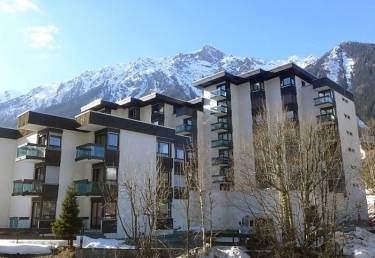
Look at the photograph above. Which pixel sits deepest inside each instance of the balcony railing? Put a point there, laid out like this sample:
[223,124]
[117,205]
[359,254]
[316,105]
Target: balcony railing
[220,126]
[221,143]
[221,179]
[222,161]
[109,225]
[219,110]
[86,188]
[164,223]
[184,128]
[31,151]
[27,187]
[323,100]
[218,94]
[90,151]
[326,118]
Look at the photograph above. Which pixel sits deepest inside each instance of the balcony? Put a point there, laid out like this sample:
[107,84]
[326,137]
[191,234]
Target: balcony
[180,192]
[109,225]
[93,153]
[221,144]
[324,101]
[184,112]
[220,179]
[326,118]
[87,188]
[31,152]
[164,223]
[220,161]
[219,111]
[184,129]
[218,94]
[220,127]
[27,187]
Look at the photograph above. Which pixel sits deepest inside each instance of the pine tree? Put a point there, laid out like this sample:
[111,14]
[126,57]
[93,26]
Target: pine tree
[68,224]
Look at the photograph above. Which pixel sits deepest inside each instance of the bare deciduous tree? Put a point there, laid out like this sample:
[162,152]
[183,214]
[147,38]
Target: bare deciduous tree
[290,178]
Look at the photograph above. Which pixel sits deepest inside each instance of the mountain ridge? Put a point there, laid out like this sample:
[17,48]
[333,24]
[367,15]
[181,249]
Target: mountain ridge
[168,75]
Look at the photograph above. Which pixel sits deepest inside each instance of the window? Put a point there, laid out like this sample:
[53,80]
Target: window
[163,148]
[180,153]
[222,87]
[100,138]
[134,113]
[258,86]
[327,111]
[351,149]
[188,121]
[111,174]
[349,133]
[42,139]
[54,141]
[224,153]
[165,210]
[224,187]
[39,174]
[112,143]
[303,83]
[48,210]
[325,93]
[346,116]
[288,81]
[158,108]
[110,210]
[345,100]
[224,136]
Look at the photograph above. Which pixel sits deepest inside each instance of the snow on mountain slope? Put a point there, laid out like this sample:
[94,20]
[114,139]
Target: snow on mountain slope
[8,95]
[170,75]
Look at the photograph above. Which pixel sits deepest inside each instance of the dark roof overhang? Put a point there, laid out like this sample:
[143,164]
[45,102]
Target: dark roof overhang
[321,82]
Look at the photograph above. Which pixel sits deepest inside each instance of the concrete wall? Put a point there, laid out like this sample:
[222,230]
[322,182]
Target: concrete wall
[356,197]
[137,162]
[7,157]
[69,168]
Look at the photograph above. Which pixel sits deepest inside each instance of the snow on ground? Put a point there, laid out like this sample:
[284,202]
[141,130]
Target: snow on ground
[221,252]
[29,246]
[359,243]
[89,242]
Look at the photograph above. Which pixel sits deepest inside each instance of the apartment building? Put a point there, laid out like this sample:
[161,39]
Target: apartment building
[109,141]
[230,108]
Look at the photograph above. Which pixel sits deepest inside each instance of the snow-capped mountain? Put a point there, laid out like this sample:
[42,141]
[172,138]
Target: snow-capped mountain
[9,94]
[352,65]
[170,75]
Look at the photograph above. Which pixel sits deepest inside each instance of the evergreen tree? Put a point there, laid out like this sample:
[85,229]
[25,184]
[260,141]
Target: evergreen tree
[68,224]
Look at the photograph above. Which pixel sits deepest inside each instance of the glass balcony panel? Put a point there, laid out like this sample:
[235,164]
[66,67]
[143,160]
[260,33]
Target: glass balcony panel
[183,128]
[219,126]
[219,110]
[31,150]
[218,93]
[221,143]
[323,100]
[90,151]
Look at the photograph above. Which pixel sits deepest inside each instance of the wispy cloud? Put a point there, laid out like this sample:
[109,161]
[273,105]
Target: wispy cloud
[42,36]
[15,6]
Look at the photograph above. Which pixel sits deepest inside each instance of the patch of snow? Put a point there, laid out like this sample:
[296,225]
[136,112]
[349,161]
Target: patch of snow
[348,64]
[220,252]
[89,242]
[361,124]
[359,243]
[29,246]
[332,64]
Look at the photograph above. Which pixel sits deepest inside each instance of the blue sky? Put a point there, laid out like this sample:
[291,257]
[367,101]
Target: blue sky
[45,41]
